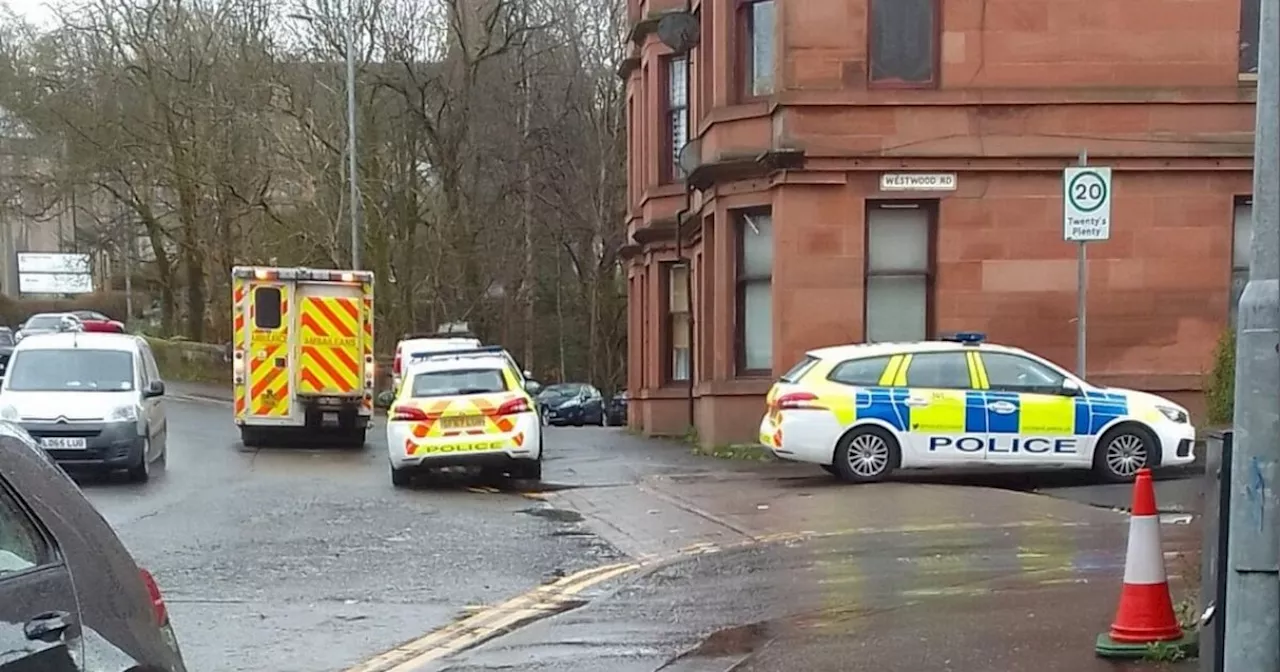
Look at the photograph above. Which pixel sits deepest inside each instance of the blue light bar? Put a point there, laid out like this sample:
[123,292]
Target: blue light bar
[482,350]
[966,337]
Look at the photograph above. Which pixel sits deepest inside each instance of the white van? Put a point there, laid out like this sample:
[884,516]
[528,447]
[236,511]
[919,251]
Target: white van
[90,400]
[417,344]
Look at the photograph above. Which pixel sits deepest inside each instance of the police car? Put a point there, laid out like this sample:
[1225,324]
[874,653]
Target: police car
[863,411]
[463,408]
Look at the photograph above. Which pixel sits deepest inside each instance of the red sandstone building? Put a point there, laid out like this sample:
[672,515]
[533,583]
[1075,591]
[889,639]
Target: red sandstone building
[891,169]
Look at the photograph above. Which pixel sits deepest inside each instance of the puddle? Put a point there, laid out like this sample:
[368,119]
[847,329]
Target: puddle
[556,515]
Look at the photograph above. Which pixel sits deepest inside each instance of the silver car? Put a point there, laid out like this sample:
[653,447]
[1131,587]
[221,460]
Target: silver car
[92,400]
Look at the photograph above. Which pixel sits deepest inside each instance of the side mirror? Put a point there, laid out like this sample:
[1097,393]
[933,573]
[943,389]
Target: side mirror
[154,389]
[532,386]
[1070,388]
[528,374]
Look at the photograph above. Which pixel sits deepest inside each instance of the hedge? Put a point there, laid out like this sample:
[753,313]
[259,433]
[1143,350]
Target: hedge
[194,362]
[1220,389]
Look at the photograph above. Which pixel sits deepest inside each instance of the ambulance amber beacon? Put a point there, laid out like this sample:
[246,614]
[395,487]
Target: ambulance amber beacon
[463,408]
[862,411]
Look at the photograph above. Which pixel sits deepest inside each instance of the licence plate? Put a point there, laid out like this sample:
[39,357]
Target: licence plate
[463,422]
[63,443]
[329,418]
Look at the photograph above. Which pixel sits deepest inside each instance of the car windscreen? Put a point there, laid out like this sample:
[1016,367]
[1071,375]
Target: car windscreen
[43,322]
[458,381]
[562,391]
[79,370]
[6,338]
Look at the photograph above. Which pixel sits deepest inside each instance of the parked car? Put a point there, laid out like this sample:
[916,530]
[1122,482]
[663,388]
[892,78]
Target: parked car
[71,596]
[48,323]
[7,342]
[574,404]
[615,414]
[95,321]
[91,400]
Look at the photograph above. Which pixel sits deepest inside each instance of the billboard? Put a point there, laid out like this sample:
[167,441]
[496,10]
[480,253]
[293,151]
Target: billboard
[54,273]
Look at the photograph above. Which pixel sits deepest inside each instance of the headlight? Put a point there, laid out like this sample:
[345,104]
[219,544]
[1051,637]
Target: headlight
[1174,414]
[123,414]
[9,413]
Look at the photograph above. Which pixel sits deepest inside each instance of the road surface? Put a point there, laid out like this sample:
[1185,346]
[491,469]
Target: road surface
[308,560]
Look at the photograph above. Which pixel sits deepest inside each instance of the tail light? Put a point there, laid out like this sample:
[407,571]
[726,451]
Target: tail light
[793,401]
[237,367]
[514,406]
[408,413]
[157,600]
[395,366]
[369,372]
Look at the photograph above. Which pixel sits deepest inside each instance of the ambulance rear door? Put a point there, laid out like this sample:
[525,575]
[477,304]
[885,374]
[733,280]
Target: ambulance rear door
[330,339]
[271,364]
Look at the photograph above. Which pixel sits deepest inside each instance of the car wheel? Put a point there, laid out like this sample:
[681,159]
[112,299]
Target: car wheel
[529,471]
[866,455]
[1122,452]
[356,437]
[250,437]
[401,478]
[141,472]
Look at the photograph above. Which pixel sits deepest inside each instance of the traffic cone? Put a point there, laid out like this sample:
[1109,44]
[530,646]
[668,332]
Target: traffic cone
[1145,616]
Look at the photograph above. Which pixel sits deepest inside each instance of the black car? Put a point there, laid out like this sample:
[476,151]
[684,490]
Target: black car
[7,342]
[69,590]
[615,414]
[574,404]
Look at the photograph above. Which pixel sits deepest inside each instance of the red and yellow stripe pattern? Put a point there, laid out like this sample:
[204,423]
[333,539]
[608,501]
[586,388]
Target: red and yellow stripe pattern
[459,418]
[331,355]
[268,363]
[367,290]
[238,293]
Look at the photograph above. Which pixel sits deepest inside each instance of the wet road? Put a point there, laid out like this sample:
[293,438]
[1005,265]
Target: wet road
[289,559]
[307,560]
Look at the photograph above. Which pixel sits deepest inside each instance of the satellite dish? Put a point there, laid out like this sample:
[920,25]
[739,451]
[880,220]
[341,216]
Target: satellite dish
[679,31]
[690,157]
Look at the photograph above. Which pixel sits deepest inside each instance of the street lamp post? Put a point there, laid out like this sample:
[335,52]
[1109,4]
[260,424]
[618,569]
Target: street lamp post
[353,184]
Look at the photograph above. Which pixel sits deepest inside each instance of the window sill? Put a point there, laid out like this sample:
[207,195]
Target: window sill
[1247,78]
[892,85]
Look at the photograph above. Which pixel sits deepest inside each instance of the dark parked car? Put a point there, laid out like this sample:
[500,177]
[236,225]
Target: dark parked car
[574,404]
[7,342]
[68,586]
[615,414]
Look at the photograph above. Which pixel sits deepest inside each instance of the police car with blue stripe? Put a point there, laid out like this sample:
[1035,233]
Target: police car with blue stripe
[863,411]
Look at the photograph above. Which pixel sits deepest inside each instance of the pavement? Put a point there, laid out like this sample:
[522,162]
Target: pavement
[633,555]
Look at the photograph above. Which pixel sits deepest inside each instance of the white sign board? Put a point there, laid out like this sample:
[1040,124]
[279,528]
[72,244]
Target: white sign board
[55,283]
[52,262]
[918,182]
[1086,204]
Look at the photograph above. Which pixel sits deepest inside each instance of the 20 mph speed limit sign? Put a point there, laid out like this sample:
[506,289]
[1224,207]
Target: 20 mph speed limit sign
[1086,211]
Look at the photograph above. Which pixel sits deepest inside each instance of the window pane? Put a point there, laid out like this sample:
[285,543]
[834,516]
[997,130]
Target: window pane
[864,372]
[21,546]
[679,136]
[896,308]
[763,28]
[938,369]
[66,370]
[1238,280]
[458,382]
[266,307]
[680,364]
[757,246]
[1012,371]
[1243,231]
[678,288]
[897,240]
[799,369]
[680,330]
[677,75]
[1250,30]
[902,40]
[757,325]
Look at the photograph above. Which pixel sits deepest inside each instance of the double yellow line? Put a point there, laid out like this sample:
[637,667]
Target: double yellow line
[487,624]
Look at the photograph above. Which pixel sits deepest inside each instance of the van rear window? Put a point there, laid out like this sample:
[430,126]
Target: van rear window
[797,372]
[458,382]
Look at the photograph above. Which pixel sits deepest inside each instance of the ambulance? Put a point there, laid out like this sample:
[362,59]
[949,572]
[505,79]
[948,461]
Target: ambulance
[302,353]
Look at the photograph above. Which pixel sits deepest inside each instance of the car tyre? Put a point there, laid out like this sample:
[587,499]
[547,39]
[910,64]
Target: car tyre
[401,478]
[1123,451]
[866,455]
[141,472]
[530,471]
[250,437]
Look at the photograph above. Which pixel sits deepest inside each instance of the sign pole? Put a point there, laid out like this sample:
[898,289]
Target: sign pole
[1086,217]
[1082,294]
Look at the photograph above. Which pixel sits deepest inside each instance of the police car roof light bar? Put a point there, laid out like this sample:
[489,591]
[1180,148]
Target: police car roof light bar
[486,350]
[966,337]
